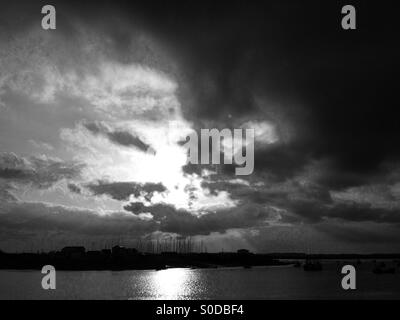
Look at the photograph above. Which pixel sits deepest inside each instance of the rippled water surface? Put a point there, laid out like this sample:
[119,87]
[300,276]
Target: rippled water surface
[222,283]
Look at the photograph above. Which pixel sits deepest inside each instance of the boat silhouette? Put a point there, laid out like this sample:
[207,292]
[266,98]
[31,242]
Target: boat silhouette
[382,268]
[312,265]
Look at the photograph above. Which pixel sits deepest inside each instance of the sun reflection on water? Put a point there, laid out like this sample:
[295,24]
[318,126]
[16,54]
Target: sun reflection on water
[174,283]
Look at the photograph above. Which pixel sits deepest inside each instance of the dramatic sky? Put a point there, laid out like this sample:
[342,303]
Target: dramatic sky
[93,116]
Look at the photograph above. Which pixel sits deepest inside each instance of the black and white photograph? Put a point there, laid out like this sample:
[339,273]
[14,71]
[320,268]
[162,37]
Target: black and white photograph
[199,150]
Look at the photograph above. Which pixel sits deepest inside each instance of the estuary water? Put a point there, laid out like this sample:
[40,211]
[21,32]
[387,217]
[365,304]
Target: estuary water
[283,282]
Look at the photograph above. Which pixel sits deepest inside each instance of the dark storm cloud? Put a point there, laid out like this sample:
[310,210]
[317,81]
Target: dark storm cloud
[184,223]
[364,212]
[326,81]
[270,192]
[268,60]
[369,233]
[39,172]
[74,188]
[120,137]
[27,220]
[287,62]
[281,161]
[311,203]
[41,219]
[314,212]
[126,139]
[5,194]
[335,177]
[123,190]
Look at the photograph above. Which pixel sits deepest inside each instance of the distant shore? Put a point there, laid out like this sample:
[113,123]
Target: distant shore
[120,258]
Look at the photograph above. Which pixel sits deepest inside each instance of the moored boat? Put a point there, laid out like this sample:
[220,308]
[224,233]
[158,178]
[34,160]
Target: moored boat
[312,265]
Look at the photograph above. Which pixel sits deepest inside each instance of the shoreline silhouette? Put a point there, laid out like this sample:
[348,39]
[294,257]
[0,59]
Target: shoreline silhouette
[121,258]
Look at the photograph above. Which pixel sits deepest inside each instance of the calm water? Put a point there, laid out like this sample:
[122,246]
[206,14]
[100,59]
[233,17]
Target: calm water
[235,283]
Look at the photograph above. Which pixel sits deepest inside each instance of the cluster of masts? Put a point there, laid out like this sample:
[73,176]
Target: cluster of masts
[186,245]
[153,246]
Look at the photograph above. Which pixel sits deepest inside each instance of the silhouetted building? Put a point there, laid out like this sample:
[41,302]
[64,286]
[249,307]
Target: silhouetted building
[169,253]
[118,250]
[93,254]
[73,252]
[132,251]
[106,252]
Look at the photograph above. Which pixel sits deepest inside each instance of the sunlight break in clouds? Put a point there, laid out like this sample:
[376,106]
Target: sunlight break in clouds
[133,106]
[142,102]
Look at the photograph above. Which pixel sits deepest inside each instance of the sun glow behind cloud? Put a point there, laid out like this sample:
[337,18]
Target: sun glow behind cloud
[133,98]
[160,124]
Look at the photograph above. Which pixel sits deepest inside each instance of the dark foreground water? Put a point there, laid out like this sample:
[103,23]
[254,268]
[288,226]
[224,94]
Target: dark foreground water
[236,283]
